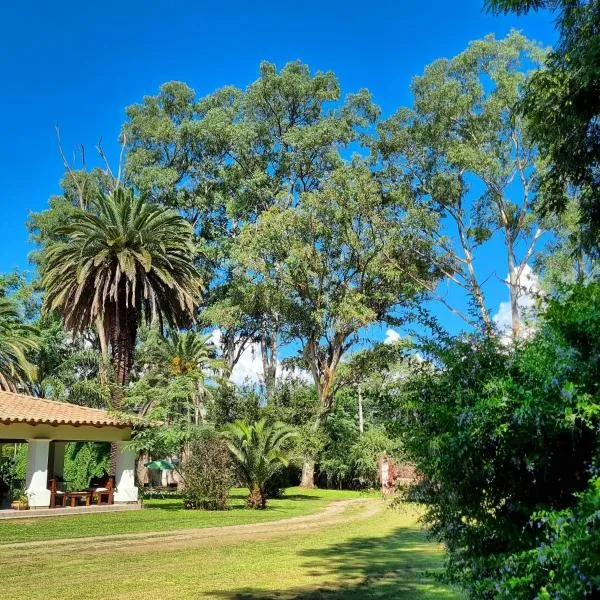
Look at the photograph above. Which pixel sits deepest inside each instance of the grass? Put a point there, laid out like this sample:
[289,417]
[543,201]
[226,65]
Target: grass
[167,515]
[384,557]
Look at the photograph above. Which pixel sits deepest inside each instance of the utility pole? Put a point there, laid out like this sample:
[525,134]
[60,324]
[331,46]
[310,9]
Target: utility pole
[361,422]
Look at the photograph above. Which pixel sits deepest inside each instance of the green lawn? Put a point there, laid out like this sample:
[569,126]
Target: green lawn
[168,514]
[383,557]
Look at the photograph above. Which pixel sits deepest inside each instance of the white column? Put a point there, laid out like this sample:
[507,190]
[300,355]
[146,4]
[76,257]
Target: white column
[125,490]
[37,474]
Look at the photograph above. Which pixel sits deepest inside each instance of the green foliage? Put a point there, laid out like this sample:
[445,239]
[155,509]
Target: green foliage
[17,339]
[348,457]
[346,257]
[225,159]
[85,461]
[13,466]
[184,365]
[562,106]
[566,563]
[206,471]
[258,450]
[501,434]
[460,150]
[232,403]
[564,259]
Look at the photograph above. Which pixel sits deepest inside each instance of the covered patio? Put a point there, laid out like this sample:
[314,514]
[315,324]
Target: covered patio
[46,426]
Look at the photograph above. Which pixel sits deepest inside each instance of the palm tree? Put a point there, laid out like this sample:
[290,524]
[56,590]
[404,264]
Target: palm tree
[258,451]
[185,361]
[15,340]
[191,355]
[119,263]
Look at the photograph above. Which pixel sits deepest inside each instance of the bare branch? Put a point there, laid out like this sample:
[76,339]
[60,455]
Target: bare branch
[121,156]
[104,158]
[80,188]
[529,252]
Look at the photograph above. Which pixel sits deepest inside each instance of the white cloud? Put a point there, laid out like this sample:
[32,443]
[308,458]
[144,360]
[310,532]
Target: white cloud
[391,337]
[529,289]
[249,368]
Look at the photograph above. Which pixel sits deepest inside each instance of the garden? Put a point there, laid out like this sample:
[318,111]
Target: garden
[282,342]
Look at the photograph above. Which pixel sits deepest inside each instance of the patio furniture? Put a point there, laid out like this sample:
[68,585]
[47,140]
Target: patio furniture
[104,490]
[57,497]
[74,497]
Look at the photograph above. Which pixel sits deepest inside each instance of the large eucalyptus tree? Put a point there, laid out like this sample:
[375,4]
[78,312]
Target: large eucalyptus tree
[350,255]
[226,158]
[466,153]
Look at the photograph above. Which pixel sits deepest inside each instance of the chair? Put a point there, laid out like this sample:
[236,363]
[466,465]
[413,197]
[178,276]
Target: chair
[57,497]
[103,490]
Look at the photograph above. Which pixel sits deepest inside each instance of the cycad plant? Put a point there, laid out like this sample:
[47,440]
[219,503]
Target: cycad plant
[16,339]
[259,452]
[116,264]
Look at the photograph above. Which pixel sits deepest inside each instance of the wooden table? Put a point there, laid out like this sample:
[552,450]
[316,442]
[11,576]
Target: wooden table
[73,497]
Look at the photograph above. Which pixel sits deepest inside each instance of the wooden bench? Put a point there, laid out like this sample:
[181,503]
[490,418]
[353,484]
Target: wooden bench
[103,492]
[57,497]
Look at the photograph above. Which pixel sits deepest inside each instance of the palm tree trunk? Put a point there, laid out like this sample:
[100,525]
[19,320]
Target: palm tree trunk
[257,498]
[123,333]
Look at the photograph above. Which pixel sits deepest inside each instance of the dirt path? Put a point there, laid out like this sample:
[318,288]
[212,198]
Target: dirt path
[336,513]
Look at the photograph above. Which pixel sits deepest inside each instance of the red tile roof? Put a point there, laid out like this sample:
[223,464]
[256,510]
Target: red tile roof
[18,408]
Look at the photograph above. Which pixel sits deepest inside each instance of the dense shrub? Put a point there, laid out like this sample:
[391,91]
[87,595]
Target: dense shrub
[504,436]
[206,470]
[566,563]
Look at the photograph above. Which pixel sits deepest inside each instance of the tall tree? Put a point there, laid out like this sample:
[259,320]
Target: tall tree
[562,106]
[226,158]
[465,153]
[347,256]
[121,261]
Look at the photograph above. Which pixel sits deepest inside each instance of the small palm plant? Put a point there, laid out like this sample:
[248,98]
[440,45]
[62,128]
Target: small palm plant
[258,450]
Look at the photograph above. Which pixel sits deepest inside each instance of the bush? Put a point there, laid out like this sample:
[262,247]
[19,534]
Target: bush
[504,436]
[206,471]
[566,563]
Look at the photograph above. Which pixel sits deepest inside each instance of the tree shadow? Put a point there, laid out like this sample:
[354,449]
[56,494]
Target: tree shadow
[400,566]
[298,497]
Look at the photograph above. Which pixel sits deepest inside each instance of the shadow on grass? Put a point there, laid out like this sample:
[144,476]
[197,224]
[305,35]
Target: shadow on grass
[400,566]
[176,502]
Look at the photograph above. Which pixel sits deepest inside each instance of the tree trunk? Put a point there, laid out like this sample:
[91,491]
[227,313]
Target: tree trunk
[308,474]
[101,331]
[123,334]
[142,472]
[256,499]
[268,350]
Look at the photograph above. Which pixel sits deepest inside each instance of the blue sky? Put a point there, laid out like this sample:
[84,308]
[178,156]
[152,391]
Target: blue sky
[79,64]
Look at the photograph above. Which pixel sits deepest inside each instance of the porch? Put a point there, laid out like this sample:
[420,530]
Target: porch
[11,513]
[46,426]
